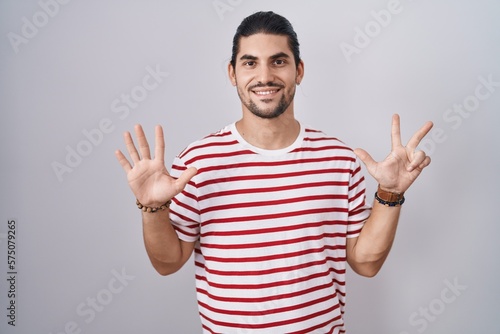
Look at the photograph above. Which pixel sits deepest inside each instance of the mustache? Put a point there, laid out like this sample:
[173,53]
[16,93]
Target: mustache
[269,84]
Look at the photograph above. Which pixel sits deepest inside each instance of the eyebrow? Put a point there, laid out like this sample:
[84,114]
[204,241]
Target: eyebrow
[275,56]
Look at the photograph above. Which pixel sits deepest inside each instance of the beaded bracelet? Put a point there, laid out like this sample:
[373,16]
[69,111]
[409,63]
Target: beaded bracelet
[152,210]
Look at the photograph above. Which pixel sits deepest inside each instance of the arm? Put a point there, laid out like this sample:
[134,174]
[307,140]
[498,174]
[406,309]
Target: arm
[153,186]
[166,251]
[367,253]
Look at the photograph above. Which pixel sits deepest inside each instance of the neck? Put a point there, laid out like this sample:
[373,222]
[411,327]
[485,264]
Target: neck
[269,134]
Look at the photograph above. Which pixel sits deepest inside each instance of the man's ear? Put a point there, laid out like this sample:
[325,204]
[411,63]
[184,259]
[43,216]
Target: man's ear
[300,73]
[231,73]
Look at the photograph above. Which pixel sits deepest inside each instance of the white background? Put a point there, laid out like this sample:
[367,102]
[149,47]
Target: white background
[78,229]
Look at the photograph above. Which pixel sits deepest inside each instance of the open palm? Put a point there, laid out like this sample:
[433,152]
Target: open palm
[403,165]
[148,178]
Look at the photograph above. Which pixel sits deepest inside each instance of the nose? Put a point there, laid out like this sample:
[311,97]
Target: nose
[266,74]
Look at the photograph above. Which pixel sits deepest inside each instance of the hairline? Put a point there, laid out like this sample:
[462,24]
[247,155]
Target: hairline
[289,43]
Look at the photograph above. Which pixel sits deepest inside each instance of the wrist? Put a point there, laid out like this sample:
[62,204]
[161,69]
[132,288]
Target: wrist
[153,209]
[389,198]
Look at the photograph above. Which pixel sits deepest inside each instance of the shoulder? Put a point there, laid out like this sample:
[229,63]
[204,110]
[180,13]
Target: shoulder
[319,140]
[215,143]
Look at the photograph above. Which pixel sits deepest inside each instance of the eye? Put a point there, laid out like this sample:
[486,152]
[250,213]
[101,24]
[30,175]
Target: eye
[280,62]
[249,63]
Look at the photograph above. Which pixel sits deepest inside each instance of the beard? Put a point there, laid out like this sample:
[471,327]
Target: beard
[268,113]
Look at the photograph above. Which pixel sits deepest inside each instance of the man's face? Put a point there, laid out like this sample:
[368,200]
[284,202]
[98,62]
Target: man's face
[265,74]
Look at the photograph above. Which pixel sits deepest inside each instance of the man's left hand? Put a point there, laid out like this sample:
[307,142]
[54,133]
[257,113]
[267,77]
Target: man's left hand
[403,165]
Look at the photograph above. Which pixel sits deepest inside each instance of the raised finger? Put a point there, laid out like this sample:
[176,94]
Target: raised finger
[142,142]
[132,151]
[419,135]
[159,143]
[395,131]
[123,161]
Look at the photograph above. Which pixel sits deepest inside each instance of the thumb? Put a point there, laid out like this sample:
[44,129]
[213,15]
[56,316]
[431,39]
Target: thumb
[185,177]
[366,158]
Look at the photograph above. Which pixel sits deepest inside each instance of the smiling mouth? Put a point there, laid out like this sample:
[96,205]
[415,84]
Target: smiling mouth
[266,92]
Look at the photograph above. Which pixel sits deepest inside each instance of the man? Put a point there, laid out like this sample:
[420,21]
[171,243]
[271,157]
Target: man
[273,210]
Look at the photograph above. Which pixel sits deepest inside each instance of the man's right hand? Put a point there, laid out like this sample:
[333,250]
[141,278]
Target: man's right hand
[148,178]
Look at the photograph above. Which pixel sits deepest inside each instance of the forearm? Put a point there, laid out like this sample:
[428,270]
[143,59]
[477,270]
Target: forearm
[162,243]
[368,251]
[395,174]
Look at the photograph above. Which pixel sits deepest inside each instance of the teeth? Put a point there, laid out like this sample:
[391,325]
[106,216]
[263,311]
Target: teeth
[267,92]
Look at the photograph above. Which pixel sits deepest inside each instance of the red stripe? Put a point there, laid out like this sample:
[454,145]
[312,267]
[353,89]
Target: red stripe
[313,130]
[356,171]
[274,189]
[276,242]
[219,134]
[359,209]
[274,163]
[273,216]
[217,156]
[209,144]
[178,229]
[275,229]
[275,324]
[266,312]
[322,138]
[274,176]
[324,324]
[271,271]
[325,148]
[358,195]
[356,184]
[273,203]
[184,218]
[179,168]
[208,329]
[276,256]
[185,206]
[189,195]
[353,232]
[326,286]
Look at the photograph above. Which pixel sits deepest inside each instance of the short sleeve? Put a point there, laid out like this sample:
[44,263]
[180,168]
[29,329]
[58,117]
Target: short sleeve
[184,210]
[359,210]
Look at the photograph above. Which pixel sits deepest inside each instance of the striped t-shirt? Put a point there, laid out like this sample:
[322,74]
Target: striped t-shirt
[270,228]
